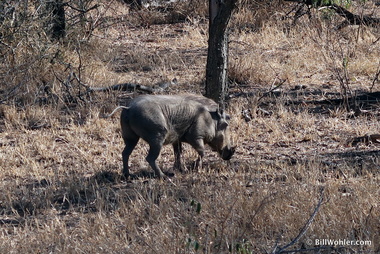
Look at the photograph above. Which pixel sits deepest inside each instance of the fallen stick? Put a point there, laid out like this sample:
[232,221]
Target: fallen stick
[366,139]
[131,87]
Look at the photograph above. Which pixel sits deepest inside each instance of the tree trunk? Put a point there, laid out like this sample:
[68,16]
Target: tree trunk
[57,20]
[217,56]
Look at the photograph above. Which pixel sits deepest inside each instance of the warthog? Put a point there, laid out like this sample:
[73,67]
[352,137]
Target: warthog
[173,119]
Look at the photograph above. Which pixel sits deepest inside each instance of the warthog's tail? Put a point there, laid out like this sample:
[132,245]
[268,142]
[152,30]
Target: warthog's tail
[114,111]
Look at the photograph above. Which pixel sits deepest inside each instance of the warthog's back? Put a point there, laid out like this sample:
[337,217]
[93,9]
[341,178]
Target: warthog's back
[186,99]
[174,107]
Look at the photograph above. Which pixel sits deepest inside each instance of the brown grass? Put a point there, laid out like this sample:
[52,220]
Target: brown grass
[60,162]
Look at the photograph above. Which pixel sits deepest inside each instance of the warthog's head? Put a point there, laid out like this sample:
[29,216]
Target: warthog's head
[222,141]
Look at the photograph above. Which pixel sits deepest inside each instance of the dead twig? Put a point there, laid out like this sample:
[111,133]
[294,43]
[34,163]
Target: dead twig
[376,78]
[282,82]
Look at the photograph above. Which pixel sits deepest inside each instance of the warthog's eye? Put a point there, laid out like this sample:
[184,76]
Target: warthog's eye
[222,125]
[220,139]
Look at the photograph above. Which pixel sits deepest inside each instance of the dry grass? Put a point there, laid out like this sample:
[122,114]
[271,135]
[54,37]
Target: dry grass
[60,162]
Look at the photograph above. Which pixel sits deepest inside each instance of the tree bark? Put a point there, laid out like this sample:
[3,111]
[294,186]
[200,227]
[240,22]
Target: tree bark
[57,26]
[217,57]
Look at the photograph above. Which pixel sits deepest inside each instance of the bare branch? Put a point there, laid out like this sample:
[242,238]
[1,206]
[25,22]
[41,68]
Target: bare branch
[82,10]
[354,19]
[351,18]
[282,82]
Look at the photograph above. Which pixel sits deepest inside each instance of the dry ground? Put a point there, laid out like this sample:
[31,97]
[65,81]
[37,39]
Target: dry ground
[60,166]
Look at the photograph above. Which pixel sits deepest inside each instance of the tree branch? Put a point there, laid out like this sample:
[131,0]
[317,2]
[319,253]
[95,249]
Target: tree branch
[354,19]
[351,18]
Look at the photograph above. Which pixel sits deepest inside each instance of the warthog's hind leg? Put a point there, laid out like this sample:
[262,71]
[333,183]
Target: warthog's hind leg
[129,146]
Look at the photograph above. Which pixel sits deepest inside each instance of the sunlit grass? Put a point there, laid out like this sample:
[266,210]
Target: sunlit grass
[60,163]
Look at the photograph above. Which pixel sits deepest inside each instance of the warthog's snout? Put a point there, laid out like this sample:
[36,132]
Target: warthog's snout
[227,152]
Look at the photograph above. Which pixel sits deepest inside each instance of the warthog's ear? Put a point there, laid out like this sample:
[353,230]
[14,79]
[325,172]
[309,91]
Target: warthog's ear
[221,117]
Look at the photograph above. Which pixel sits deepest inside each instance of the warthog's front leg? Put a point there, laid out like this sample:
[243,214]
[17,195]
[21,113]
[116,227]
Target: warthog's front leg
[199,146]
[153,154]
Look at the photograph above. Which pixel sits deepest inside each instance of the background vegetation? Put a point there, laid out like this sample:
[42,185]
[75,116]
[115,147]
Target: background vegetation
[301,91]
